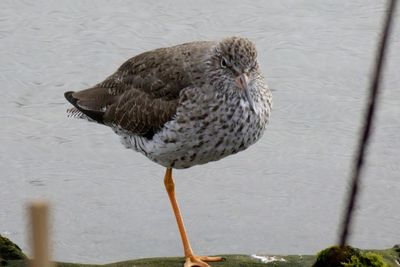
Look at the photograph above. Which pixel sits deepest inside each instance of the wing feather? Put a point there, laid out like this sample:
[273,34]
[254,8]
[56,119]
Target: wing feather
[143,94]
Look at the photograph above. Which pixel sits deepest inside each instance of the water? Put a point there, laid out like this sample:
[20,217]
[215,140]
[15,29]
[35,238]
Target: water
[283,195]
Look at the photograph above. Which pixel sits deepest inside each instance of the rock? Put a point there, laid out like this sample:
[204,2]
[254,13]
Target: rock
[351,257]
[335,256]
[9,251]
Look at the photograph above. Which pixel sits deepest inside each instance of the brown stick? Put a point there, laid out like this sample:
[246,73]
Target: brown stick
[368,122]
[40,234]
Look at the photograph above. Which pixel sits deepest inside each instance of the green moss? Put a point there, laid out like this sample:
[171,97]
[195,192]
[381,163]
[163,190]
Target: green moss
[231,261]
[9,250]
[335,256]
[388,255]
[351,257]
[366,259]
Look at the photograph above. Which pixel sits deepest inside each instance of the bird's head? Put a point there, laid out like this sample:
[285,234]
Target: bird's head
[234,66]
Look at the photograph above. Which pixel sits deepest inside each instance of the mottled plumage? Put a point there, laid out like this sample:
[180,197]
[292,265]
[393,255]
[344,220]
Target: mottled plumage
[180,105]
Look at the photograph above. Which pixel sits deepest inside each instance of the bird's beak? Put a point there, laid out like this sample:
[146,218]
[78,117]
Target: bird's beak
[242,82]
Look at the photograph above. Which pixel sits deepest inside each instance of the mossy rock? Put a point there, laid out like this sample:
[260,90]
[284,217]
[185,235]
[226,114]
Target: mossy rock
[15,258]
[9,251]
[335,256]
[388,255]
[366,259]
[231,261]
[351,257]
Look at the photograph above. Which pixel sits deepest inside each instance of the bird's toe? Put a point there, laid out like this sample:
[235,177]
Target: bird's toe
[201,261]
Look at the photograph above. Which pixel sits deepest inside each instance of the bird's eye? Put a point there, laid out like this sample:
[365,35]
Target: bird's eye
[223,63]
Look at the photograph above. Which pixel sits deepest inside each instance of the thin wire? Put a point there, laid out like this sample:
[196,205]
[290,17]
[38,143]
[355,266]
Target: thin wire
[368,121]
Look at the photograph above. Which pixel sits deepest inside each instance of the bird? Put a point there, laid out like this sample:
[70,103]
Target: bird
[182,106]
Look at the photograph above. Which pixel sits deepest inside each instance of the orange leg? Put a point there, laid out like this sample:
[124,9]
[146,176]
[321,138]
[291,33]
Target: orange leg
[191,260]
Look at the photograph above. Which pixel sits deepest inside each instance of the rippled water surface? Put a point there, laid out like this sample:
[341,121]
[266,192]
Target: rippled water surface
[282,195]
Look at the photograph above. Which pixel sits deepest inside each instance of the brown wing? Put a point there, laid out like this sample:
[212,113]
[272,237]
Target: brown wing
[142,95]
[138,113]
[133,110]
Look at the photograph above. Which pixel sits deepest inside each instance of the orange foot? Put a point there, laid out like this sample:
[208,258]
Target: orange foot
[200,261]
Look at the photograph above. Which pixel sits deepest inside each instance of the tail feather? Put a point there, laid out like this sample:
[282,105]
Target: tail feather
[76,113]
[87,108]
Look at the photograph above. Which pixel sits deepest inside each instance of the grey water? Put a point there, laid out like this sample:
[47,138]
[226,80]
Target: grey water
[283,195]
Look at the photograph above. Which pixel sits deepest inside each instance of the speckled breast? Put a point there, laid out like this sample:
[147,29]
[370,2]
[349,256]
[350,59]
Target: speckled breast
[208,128]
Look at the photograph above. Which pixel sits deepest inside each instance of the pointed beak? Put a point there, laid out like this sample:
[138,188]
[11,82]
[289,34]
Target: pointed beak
[242,82]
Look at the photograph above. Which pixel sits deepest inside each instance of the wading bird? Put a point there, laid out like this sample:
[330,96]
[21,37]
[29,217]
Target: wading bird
[182,106]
